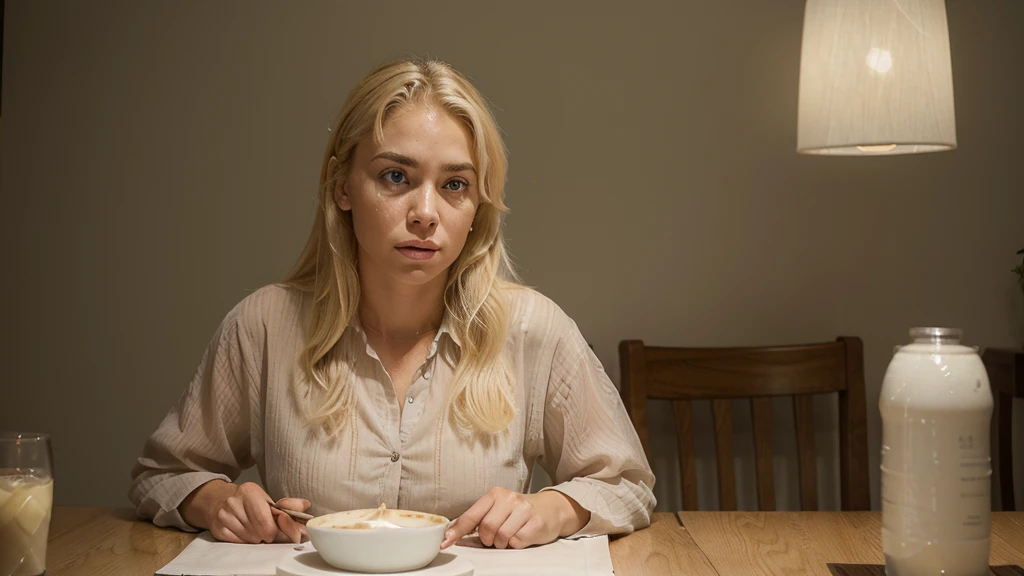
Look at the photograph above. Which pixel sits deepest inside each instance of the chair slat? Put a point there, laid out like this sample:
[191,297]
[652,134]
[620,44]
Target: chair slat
[761,411]
[803,409]
[687,461]
[722,411]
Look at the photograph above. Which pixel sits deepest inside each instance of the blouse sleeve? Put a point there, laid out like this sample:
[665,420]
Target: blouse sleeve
[204,437]
[591,449]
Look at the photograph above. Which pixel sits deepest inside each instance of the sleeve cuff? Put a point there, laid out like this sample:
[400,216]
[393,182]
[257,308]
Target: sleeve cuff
[161,504]
[583,495]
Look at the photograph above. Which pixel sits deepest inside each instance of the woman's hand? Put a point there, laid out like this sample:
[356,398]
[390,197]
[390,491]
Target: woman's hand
[242,513]
[507,519]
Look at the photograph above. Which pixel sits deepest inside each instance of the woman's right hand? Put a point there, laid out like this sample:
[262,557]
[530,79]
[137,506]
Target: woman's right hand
[242,513]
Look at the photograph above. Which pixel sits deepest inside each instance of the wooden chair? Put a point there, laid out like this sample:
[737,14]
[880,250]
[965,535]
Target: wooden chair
[725,374]
[1005,369]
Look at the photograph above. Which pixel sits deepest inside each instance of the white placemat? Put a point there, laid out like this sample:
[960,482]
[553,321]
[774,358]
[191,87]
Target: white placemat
[585,557]
[206,556]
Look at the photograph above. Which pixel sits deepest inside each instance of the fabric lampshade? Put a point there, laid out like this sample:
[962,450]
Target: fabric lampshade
[875,78]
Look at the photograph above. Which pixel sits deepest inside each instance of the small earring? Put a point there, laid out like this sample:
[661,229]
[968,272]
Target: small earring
[470,228]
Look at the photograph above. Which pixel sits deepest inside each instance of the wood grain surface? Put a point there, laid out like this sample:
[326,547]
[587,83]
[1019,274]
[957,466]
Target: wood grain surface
[756,543]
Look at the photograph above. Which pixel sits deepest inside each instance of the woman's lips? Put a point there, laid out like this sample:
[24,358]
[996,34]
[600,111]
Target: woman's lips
[416,253]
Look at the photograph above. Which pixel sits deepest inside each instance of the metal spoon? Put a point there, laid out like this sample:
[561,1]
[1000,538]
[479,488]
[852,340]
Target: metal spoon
[301,516]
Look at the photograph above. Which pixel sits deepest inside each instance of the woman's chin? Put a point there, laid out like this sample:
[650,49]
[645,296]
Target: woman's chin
[421,273]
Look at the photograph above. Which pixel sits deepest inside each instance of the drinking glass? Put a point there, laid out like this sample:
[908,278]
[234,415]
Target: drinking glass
[26,500]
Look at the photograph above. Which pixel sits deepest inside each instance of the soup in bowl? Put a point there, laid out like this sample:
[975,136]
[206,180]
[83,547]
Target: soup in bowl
[378,540]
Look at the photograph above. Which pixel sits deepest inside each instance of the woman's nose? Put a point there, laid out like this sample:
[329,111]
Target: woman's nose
[423,209]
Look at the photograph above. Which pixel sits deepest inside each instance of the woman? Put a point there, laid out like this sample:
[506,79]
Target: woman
[400,362]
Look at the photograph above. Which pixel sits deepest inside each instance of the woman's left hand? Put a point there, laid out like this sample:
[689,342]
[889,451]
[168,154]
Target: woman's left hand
[507,519]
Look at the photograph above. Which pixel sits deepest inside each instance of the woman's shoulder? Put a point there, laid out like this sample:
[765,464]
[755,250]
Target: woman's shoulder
[267,307]
[537,317]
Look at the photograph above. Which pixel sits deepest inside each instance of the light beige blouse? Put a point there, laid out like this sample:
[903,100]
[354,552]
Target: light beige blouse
[239,410]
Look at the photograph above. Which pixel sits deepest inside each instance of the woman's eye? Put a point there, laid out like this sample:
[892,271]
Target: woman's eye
[394,177]
[456,185]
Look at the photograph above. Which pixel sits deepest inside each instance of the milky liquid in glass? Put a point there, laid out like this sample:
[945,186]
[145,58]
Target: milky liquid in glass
[25,505]
[936,407]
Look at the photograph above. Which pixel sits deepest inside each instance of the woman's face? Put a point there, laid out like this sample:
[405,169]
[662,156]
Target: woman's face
[413,196]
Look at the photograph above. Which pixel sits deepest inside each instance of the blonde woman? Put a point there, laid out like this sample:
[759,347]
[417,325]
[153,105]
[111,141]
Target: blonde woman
[400,362]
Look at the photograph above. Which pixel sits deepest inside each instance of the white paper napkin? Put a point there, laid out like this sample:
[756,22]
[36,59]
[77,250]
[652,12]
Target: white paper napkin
[585,557]
[205,556]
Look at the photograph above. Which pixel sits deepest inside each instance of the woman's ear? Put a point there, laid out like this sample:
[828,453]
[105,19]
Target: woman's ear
[339,192]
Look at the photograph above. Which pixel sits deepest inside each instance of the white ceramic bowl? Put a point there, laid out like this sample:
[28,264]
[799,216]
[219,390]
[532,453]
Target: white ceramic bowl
[346,543]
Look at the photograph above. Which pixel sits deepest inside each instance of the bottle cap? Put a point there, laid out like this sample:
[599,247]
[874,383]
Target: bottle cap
[936,335]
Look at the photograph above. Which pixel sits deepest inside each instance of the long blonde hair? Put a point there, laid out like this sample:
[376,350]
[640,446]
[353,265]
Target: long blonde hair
[481,393]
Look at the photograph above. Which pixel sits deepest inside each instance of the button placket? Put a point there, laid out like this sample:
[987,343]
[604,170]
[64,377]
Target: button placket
[420,388]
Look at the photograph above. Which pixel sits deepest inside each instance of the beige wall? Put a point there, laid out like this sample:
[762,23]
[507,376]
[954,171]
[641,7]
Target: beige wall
[160,159]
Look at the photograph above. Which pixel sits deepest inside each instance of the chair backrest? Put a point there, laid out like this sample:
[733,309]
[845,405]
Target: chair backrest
[726,374]
[1006,374]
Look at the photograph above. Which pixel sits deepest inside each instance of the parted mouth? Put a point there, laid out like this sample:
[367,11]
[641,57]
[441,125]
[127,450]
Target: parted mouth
[419,245]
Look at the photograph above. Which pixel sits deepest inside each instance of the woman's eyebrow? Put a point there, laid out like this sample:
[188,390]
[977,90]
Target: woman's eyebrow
[397,158]
[407,161]
[459,167]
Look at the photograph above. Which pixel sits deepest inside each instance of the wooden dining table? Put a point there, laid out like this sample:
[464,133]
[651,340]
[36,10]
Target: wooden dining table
[92,541]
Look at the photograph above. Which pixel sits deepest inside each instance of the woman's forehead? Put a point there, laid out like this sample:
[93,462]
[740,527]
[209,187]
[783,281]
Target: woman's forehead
[425,132]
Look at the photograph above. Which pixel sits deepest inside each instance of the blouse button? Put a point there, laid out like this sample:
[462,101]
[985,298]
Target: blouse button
[410,399]
[395,456]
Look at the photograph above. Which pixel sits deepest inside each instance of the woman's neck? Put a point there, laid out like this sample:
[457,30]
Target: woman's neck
[395,310]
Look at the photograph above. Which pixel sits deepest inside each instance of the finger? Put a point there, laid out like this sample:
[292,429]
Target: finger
[494,520]
[297,504]
[520,515]
[235,506]
[288,527]
[531,533]
[228,521]
[468,521]
[220,532]
[280,536]
[257,509]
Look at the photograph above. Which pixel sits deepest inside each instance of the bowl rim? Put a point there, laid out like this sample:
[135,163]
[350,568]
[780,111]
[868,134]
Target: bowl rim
[446,523]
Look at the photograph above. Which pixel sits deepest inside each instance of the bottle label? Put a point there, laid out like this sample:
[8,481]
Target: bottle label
[936,476]
[975,484]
